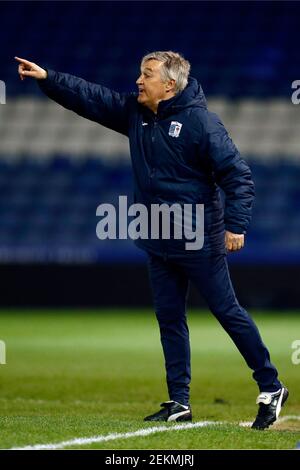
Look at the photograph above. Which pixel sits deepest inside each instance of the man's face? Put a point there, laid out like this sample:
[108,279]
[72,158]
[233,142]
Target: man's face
[152,89]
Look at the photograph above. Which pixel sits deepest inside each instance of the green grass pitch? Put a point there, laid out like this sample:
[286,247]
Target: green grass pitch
[77,374]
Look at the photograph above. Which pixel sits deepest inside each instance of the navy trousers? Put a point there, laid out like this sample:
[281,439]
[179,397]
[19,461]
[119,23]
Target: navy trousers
[169,282]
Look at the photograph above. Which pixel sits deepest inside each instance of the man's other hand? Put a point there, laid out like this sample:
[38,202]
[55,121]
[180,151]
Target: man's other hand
[234,241]
[29,69]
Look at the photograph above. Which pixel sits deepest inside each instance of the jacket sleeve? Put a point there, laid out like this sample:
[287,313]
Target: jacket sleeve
[92,101]
[232,174]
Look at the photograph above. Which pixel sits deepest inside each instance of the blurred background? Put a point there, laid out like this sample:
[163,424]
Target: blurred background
[56,167]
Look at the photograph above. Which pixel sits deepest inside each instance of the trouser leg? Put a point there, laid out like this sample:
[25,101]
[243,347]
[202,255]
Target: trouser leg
[211,277]
[169,286]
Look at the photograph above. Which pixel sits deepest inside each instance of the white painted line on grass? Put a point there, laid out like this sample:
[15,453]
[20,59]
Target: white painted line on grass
[247,424]
[141,432]
[111,437]
[288,418]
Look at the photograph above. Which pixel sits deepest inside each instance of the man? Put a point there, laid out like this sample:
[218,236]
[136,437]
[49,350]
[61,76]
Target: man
[181,153]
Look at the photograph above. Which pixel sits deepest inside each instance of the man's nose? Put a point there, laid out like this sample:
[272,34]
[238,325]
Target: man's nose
[139,80]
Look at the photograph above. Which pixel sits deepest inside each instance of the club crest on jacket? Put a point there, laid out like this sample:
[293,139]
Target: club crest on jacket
[175,128]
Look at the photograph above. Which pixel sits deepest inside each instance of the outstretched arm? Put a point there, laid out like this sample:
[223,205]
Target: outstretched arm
[90,100]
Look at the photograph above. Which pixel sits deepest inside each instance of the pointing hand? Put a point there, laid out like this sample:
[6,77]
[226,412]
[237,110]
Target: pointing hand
[29,69]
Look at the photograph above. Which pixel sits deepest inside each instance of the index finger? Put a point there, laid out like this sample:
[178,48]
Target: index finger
[23,60]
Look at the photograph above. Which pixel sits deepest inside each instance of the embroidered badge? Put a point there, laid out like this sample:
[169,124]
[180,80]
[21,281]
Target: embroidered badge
[175,128]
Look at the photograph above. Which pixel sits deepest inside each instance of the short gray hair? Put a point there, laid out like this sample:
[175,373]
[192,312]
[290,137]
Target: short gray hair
[175,67]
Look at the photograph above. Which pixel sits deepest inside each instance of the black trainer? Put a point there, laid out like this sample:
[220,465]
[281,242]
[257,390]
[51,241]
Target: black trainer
[171,411]
[270,405]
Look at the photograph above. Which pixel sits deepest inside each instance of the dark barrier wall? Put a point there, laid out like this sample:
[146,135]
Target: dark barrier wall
[275,287]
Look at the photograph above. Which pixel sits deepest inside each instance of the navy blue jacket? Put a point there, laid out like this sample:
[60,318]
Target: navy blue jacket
[188,168]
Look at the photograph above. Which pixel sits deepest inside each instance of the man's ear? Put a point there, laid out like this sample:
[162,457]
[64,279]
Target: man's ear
[170,85]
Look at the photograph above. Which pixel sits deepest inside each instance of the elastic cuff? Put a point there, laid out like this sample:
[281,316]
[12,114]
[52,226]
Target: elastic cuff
[235,229]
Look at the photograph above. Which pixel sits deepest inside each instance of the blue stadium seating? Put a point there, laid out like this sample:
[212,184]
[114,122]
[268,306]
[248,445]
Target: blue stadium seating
[238,51]
[52,206]
[47,206]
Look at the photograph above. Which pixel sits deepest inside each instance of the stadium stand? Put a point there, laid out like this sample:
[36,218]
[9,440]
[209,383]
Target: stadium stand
[56,168]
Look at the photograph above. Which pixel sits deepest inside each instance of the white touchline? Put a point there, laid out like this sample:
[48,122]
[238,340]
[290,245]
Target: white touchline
[114,436]
[288,418]
[141,432]
[246,424]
